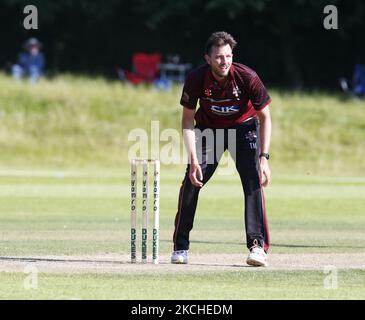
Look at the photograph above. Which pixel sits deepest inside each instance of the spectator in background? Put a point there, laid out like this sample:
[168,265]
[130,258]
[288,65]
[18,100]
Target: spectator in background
[359,80]
[31,62]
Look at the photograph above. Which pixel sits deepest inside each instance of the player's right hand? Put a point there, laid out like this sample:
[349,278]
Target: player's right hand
[196,175]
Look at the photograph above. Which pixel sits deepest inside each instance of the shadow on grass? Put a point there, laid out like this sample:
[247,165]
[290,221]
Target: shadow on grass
[92,261]
[282,245]
[40,259]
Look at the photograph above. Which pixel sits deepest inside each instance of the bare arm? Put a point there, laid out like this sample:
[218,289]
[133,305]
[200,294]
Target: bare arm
[265,139]
[187,124]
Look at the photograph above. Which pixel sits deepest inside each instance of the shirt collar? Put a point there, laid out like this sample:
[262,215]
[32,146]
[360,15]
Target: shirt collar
[212,81]
[231,71]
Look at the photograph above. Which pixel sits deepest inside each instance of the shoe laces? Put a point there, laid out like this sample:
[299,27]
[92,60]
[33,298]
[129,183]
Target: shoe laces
[258,248]
[256,245]
[180,252]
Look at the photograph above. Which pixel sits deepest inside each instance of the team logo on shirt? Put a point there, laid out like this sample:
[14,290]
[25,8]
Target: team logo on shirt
[208,92]
[236,91]
[225,110]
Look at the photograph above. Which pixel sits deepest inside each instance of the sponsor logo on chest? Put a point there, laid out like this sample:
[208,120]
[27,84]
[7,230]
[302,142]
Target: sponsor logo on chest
[225,110]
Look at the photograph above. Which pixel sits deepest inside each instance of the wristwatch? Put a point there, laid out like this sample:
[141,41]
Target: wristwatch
[265,155]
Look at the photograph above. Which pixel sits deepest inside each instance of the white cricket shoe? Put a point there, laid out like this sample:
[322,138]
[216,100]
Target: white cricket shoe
[179,257]
[257,257]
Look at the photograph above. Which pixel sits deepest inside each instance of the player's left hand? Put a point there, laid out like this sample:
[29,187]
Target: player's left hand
[264,172]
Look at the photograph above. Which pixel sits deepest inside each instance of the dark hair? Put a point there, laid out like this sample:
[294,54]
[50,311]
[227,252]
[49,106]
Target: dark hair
[218,39]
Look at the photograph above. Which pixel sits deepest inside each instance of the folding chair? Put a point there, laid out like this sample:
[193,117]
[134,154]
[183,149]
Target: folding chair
[145,66]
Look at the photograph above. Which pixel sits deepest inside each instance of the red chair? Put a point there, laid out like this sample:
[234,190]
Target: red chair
[146,68]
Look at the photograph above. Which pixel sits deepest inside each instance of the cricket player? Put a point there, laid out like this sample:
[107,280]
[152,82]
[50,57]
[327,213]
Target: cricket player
[232,98]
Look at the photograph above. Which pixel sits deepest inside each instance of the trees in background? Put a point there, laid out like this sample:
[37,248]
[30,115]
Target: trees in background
[284,40]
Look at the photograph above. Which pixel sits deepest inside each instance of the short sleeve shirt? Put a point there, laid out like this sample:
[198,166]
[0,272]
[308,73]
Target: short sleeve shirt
[224,107]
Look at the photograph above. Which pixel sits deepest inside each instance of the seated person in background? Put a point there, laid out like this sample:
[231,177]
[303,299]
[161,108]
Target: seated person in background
[359,80]
[31,62]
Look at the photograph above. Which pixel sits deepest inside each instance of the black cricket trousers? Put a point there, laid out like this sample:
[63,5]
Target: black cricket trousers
[244,148]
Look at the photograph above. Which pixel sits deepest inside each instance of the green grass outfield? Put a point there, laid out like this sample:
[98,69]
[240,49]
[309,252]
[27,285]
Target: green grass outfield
[73,121]
[197,286]
[82,213]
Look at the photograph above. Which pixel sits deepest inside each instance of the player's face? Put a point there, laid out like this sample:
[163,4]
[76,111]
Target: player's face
[220,60]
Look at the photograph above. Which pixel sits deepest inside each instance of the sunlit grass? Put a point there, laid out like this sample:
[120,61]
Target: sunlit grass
[79,121]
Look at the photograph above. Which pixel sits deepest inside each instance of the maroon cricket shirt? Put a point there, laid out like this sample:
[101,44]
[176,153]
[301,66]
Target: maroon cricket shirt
[224,107]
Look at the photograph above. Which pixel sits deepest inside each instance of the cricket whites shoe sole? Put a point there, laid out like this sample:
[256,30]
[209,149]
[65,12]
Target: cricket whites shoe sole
[257,257]
[179,257]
